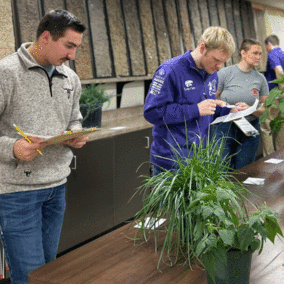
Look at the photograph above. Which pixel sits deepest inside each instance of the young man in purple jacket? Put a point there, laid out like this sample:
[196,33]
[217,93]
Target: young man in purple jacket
[183,91]
[275,67]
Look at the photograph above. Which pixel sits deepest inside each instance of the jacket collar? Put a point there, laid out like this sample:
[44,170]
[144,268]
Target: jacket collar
[30,62]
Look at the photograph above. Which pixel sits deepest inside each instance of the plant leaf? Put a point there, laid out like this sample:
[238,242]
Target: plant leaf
[209,261]
[221,252]
[207,211]
[245,236]
[220,214]
[260,229]
[272,227]
[281,105]
[255,244]
[227,236]
[274,93]
[200,247]
[276,123]
[198,230]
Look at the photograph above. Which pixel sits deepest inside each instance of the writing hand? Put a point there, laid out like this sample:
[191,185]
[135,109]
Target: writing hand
[25,151]
[220,103]
[207,107]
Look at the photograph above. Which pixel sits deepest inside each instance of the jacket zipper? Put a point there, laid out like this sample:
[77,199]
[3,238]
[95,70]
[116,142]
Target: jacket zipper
[49,79]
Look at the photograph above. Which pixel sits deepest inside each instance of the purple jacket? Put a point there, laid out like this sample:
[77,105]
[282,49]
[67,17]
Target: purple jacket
[176,89]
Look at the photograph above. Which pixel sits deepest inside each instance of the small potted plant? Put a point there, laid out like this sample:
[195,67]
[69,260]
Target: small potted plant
[276,123]
[91,101]
[210,219]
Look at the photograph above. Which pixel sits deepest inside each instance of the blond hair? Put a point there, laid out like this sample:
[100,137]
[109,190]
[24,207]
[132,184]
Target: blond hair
[218,38]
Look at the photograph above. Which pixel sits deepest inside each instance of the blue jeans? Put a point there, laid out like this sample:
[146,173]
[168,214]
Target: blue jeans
[31,223]
[236,143]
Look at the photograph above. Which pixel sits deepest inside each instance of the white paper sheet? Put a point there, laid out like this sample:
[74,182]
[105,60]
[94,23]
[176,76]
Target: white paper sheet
[246,127]
[255,181]
[151,223]
[273,161]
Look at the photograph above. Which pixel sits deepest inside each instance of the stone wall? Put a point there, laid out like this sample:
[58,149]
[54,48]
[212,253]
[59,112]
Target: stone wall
[130,38]
[7,39]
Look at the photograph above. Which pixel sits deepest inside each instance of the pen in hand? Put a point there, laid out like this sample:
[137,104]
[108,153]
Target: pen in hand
[25,136]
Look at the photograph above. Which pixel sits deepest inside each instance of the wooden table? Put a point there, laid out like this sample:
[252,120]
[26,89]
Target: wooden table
[114,258]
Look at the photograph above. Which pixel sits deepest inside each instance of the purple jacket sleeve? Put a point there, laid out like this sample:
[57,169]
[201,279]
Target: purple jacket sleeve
[163,106]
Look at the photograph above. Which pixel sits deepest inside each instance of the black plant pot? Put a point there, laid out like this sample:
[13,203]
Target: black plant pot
[237,270]
[94,118]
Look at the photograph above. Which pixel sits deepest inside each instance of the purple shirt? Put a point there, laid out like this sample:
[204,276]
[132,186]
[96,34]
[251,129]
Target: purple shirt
[275,58]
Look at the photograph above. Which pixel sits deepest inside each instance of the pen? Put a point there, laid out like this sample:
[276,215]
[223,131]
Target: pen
[25,136]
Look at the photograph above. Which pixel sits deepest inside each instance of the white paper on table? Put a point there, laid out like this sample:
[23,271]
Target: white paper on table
[246,127]
[256,181]
[151,223]
[273,161]
[235,115]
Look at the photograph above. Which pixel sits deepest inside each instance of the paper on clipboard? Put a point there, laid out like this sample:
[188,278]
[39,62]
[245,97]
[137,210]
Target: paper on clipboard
[246,127]
[235,115]
[69,135]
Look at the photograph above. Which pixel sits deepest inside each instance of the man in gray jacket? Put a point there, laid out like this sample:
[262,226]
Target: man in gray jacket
[41,96]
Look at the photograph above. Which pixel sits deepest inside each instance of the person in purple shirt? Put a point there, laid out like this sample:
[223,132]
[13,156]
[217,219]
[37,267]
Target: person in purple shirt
[275,67]
[183,91]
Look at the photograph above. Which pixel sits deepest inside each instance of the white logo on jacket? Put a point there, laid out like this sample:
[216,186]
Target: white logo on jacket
[212,86]
[188,85]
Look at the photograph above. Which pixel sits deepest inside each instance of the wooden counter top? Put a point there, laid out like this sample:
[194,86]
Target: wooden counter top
[114,258]
[120,121]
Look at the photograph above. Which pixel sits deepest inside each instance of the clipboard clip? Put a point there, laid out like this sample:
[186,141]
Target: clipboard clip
[253,133]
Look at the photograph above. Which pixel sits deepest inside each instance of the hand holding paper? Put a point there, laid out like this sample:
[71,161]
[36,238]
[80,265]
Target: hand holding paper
[77,142]
[232,116]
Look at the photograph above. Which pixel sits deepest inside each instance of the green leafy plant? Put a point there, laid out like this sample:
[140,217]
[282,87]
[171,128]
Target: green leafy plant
[207,210]
[93,97]
[277,122]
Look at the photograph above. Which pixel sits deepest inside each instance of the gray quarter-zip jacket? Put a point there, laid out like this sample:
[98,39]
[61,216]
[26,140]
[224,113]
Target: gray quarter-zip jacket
[38,105]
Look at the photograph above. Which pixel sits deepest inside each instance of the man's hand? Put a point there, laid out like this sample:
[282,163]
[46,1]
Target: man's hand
[25,151]
[77,142]
[207,107]
[220,103]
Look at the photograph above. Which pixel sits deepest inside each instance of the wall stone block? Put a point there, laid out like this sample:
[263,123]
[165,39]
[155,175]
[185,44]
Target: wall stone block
[53,5]
[149,39]
[173,26]
[161,31]
[213,12]
[7,40]
[195,19]
[134,38]
[117,35]
[83,61]
[186,27]
[29,19]
[204,14]
[100,39]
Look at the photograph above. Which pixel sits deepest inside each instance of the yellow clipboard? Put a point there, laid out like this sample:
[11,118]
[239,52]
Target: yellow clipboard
[69,135]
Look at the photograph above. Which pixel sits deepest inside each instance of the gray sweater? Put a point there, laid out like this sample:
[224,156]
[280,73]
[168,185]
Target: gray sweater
[38,105]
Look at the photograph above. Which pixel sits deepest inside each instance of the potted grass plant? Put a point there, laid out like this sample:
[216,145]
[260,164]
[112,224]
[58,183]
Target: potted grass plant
[276,123]
[210,219]
[91,101]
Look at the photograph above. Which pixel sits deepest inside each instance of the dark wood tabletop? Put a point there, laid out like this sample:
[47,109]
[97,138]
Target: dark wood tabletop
[114,258]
